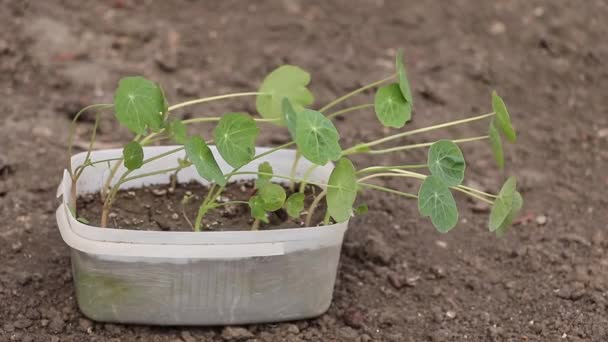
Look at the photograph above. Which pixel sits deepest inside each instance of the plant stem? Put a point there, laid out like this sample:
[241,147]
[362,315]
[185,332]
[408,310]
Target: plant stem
[199,217]
[306,177]
[73,130]
[213,98]
[218,118]
[230,203]
[79,169]
[281,177]
[355,92]
[386,168]
[472,194]
[256,224]
[314,205]
[106,185]
[426,129]
[477,191]
[386,174]
[294,167]
[350,109]
[409,147]
[381,188]
[143,175]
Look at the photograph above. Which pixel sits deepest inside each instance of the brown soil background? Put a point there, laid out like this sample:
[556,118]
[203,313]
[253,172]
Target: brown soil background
[399,280]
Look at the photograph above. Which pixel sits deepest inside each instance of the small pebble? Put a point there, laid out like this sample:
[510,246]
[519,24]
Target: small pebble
[541,220]
[175,216]
[441,244]
[16,246]
[159,192]
[497,28]
[450,314]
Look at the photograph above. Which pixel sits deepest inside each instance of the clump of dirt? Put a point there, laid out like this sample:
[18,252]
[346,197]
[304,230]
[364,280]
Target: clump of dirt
[162,207]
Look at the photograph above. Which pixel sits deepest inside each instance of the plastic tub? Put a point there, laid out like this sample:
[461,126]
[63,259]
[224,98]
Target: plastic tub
[198,278]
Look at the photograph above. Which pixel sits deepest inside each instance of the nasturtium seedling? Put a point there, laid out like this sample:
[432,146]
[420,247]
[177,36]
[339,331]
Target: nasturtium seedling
[139,104]
[503,204]
[133,155]
[503,119]
[284,98]
[295,204]
[288,82]
[446,162]
[201,156]
[342,190]
[273,196]
[436,201]
[235,137]
[392,109]
[496,144]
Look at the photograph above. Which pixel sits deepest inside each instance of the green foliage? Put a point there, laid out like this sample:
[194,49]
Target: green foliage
[496,144]
[342,190]
[503,205]
[235,137]
[516,206]
[502,117]
[392,109]
[295,204]
[201,156]
[288,82]
[133,155]
[290,117]
[263,179]
[436,201]
[317,137]
[404,84]
[178,131]
[139,104]
[446,162]
[256,205]
[361,210]
[273,196]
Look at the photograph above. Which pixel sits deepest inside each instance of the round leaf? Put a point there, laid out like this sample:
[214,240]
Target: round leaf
[404,84]
[503,204]
[502,117]
[139,104]
[391,108]
[273,196]
[342,190]
[295,204]
[178,132]
[264,179]
[286,81]
[518,203]
[362,209]
[201,156]
[235,137]
[447,162]
[436,201]
[317,137]
[256,204]
[290,117]
[496,144]
[133,155]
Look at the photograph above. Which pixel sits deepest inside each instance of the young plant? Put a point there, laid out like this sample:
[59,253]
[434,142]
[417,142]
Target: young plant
[284,100]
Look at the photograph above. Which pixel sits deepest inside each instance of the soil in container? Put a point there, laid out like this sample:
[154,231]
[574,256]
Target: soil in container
[160,207]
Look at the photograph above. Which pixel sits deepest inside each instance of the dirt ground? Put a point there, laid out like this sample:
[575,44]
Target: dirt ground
[399,280]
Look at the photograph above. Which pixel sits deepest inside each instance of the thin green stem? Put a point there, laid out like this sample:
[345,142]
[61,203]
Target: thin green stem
[350,109]
[80,168]
[213,98]
[73,129]
[409,147]
[472,194]
[230,203]
[478,191]
[218,118]
[381,188]
[387,174]
[294,167]
[164,154]
[355,92]
[426,129]
[281,177]
[386,168]
[314,205]
[306,176]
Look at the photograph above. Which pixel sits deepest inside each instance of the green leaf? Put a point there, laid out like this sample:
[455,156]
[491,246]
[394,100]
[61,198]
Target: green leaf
[133,155]
[317,137]
[391,108]
[139,104]
[436,201]
[178,131]
[290,117]
[295,204]
[503,204]
[83,220]
[263,179]
[286,81]
[447,162]
[496,144]
[518,203]
[404,84]
[256,204]
[342,190]
[362,209]
[201,156]
[235,137]
[273,196]
[502,117]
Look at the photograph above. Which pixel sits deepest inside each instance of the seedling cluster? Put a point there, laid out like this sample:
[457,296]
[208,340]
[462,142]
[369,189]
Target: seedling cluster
[284,100]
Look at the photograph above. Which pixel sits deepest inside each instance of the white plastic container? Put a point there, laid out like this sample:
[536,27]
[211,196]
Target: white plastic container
[198,278]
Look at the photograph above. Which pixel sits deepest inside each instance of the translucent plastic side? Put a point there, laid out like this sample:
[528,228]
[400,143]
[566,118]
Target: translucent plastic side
[206,291]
